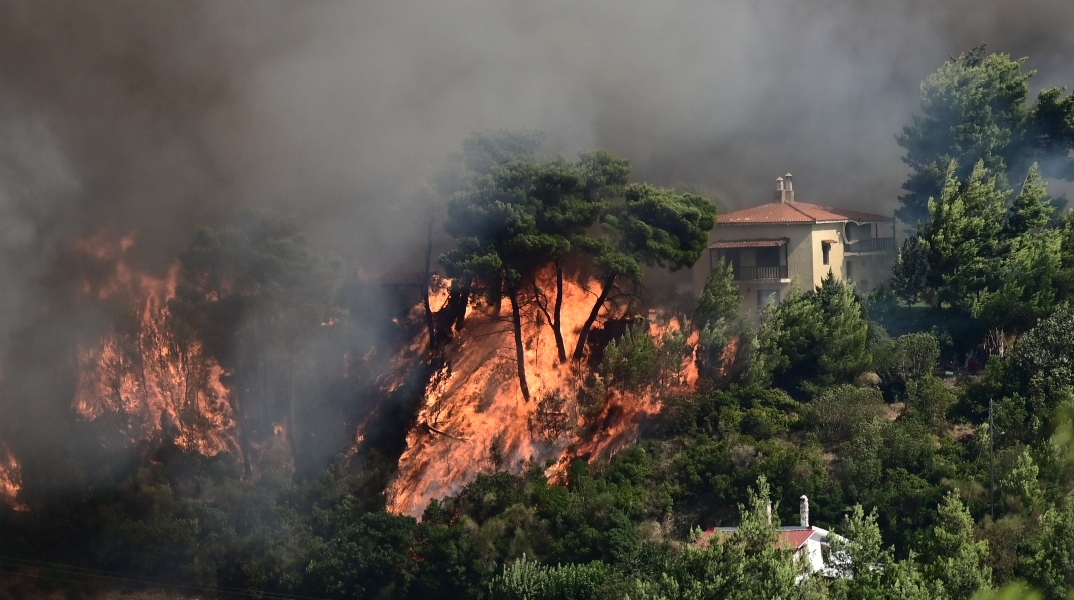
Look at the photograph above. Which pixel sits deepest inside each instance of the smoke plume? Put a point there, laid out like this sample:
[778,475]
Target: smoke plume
[155,116]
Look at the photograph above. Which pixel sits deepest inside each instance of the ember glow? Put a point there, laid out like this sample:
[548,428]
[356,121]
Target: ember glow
[474,419]
[10,476]
[153,382]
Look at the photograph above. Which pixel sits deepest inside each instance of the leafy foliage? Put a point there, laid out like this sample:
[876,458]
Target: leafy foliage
[816,339]
[974,111]
[636,360]
[719,301]
[910,273]
[958,563]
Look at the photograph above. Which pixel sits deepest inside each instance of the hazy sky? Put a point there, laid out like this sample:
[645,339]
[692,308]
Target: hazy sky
[154,115]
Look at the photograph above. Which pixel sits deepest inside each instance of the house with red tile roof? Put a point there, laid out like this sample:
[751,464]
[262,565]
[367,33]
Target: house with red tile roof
[809,543]
[777,245]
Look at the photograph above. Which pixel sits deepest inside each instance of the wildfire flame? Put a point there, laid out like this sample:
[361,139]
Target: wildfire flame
[474,419]
[154,381]
[10,476]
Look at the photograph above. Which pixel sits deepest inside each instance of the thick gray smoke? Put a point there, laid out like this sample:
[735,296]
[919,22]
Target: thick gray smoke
[156,115]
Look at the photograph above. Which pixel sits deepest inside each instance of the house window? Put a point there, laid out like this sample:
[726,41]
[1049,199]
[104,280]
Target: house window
[733,258]
[826,251]
[850,270]
[767,257]
[766,297]
[856,232]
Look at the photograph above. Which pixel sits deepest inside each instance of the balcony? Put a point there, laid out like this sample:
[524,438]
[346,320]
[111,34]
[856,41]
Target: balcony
[870,245]
[760,273]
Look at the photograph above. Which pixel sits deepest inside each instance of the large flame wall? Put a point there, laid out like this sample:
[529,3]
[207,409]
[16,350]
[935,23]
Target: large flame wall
[474,419]
[146,377]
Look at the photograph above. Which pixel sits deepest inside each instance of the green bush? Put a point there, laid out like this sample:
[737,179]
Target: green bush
[908,358]
[637,361]
[528,580]
[929,399]
[838,412]
[630,362]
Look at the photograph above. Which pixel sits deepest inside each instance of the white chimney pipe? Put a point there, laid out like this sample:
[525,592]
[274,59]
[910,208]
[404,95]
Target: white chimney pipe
[779,189]
[803,510]
[788,188]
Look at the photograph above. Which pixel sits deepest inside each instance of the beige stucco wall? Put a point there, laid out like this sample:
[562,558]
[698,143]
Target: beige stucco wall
[805,259]
[799,259]
[821,232]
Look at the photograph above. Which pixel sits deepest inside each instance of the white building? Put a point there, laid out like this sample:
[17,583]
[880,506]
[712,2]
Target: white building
[811,544]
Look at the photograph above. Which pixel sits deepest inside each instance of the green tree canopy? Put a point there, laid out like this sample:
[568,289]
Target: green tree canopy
[816,339]
[910,273]
[964,236]
[652,226]
[719,301]
[521,216]
[974,109]
[958,558]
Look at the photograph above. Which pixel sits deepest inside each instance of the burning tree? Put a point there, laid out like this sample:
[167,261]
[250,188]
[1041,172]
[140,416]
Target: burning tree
[525,215]
[651,226]
[255,294]
[520,218]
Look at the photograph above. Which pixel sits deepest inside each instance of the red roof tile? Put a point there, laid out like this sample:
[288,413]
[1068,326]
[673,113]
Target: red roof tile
[789,537]
[794,212]
[725,244]
[795,538]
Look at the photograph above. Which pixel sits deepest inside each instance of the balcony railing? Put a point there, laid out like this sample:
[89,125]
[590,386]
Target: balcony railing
[871,245]
[755,273]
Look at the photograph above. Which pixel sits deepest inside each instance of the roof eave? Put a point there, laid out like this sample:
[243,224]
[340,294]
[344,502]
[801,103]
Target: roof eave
[765,222]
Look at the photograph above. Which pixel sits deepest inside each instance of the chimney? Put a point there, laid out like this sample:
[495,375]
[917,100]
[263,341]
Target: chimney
[803,510]
[788,188]
[779,189]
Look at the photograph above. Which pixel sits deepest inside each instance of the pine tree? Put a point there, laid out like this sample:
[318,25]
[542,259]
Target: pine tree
[720,300]
[975,108]
[958,558]
[964,237]
[654,227]
[1049,564]
[845,351]
[1032,208]
[910,272]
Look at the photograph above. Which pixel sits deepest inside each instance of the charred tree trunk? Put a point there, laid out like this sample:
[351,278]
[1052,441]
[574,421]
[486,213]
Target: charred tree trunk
[554,318]
[583,335]
[434,341]
[241,426]
[520,350]
[242,420]
[455,311]
[557,315]
[429,322]
[262,385]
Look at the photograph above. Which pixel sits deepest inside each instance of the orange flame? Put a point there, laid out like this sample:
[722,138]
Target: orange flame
[729,356]
[474,419]
[155,381]
[10,476]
